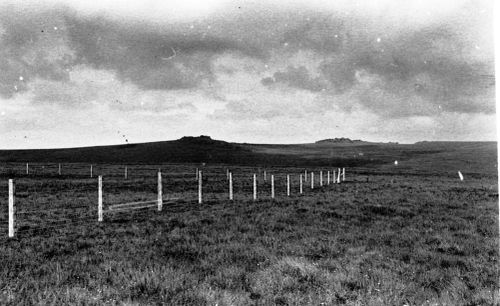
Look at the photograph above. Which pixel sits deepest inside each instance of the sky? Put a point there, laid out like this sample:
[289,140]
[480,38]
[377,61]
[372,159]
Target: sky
[85,73]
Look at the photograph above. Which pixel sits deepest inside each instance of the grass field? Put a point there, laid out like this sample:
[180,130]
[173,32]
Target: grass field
[407,235]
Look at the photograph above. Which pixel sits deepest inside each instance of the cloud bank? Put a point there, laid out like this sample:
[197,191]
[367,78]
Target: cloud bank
[345,69]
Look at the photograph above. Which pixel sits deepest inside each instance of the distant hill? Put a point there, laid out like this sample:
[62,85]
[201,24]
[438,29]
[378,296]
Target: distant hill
[343,140]
[327,152]
[202,149]
[186,149]
[338,140]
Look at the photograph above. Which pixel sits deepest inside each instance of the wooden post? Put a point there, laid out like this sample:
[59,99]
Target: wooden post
[126,172]
[321,178]
[160,192]
[343,174]
[230,186]
[288,185]
[272,186]
[199,187]
[328,177]
[27,168]
[312,180]
[12,208]
[254,187]
[59,171]
[99,203]
[91,172]
[300,184]
[265,177]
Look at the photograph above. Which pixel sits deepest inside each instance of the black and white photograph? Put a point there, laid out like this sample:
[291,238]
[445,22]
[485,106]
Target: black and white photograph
[245,152]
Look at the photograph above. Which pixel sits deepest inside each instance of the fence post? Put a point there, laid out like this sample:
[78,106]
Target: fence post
[99,203]
[320,178]
[160,192]
[338,176]
[343,174]
[27,168]
[272,186]
[11,208]
[312,180]
[265,176]
[288,185]
[199,187]
[328,177]
[91,172]
[300,184]
[230,186]
[59,169]
[254,187]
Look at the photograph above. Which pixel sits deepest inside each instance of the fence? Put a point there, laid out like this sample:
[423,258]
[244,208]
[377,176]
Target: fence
[130,182]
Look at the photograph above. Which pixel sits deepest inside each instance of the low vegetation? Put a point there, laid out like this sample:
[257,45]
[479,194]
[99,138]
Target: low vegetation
[386,236]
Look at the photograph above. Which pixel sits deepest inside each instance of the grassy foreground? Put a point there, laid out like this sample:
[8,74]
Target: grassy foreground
[373,240]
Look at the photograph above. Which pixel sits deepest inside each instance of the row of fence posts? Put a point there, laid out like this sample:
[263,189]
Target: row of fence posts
[91,170]
[229,175]
[199,177]
[100,215]
[59,172]
[59,168]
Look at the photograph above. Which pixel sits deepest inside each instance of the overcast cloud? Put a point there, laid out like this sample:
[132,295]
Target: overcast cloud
[243,71]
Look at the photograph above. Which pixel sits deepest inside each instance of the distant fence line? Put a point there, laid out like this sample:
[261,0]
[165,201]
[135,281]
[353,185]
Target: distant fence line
[337,177]
[91,172]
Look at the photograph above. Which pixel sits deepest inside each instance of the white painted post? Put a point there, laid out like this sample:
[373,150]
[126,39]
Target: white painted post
[59,169]
[12,208]
[312,180]
[328,177]
[343,174]
[27,168]
[334,178]
[300,184]
[91,174]
[254,187]
[321,178]
[199,187]
[288,185]
[272,186]
[338,176]
[265,176]
[230,186]
[305,175]
[99,203]
[160,192]
[126,172]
